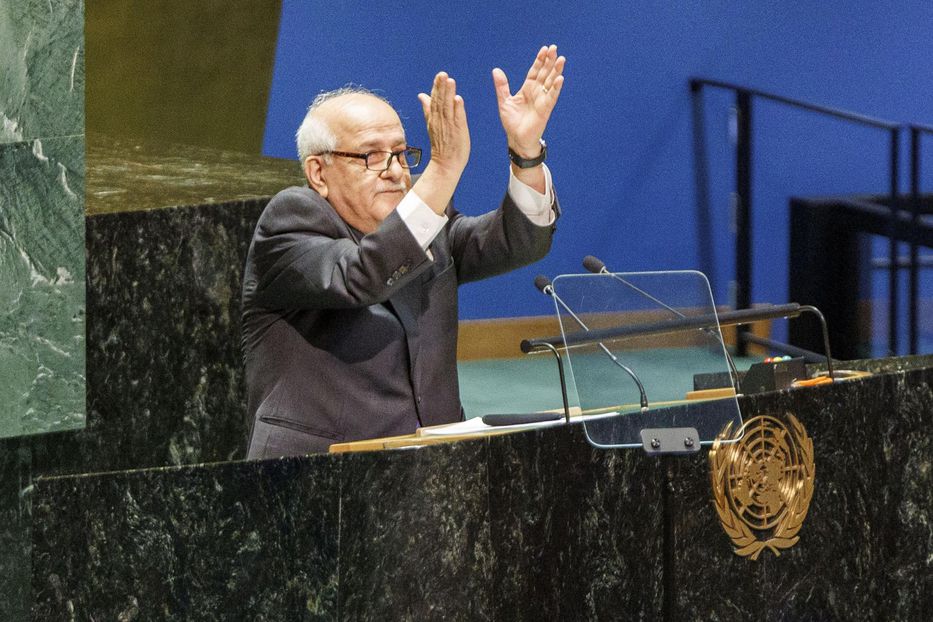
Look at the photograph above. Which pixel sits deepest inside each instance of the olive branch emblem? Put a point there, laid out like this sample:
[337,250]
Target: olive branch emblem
[762,484]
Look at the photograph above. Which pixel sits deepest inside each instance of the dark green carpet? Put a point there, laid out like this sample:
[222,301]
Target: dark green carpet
[531,383]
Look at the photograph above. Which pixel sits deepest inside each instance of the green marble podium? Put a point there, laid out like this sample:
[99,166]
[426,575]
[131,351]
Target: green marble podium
[529,526]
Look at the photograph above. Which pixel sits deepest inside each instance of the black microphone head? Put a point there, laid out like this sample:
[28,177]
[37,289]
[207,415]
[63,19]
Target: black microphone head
[542,282]
[593,264]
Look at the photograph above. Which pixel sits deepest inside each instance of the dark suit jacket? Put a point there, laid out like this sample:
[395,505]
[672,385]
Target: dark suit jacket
[347,336]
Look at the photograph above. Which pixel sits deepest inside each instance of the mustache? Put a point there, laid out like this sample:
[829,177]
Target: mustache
[399,187]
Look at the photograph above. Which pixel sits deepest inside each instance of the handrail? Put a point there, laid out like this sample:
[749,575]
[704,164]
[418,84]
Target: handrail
[743,185]
[696,83]
[920,127]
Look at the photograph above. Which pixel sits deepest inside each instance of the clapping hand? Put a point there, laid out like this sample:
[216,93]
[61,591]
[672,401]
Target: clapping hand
[445,116]
[525,114]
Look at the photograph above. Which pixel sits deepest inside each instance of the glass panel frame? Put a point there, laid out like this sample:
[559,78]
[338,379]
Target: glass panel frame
[633,349]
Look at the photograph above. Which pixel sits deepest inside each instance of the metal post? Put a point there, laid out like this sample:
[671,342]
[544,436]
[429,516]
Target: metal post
[705,241]
[914,219]
[743,209]
[892,246]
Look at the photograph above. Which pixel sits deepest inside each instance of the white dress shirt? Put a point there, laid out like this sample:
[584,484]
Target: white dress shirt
[424,224]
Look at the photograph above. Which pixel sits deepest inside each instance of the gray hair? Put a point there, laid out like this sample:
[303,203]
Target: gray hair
[314,136]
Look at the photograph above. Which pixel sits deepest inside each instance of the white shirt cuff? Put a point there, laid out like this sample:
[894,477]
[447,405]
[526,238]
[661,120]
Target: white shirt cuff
[533,204]
[420,219]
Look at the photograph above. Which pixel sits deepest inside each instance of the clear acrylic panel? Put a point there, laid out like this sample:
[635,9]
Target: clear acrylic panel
[663,324]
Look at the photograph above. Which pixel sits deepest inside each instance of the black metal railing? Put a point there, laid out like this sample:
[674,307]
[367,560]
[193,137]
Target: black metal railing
[913,288]
[743,195]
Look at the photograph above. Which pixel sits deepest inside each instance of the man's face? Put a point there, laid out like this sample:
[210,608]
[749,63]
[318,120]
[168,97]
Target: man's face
[361,123]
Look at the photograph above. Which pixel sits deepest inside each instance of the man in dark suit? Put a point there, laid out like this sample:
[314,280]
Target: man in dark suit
[350,286]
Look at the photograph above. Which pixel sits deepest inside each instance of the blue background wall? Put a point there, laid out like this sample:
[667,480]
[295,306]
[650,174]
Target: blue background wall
[621,136]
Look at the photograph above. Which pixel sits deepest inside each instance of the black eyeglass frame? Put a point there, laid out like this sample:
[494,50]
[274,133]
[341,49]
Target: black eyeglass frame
[412,151]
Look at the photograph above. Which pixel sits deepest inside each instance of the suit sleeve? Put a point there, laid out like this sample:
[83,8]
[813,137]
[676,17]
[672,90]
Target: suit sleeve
[494,243]
[302,257]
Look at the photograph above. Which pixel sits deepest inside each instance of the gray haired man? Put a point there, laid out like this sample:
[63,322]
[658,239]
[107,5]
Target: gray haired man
[350,285]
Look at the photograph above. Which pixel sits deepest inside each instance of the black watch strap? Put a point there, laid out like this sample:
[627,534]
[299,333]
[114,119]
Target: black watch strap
[521,162]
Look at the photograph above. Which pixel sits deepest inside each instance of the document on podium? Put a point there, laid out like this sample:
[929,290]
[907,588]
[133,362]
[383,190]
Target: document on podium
[477,425]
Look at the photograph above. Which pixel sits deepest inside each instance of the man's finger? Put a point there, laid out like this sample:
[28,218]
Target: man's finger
[425,100]
[536,66]
[501,84]
[438,92]
[460,111]
[558,85]
[554,92]
[559,65]
[449,96]
[554,72]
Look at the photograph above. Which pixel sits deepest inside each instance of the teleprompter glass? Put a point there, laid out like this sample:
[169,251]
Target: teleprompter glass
[636,344]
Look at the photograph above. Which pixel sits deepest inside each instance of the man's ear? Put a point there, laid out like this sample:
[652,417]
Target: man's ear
[314,173]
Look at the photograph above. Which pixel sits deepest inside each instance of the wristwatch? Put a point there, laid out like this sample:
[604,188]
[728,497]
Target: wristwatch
[521,162]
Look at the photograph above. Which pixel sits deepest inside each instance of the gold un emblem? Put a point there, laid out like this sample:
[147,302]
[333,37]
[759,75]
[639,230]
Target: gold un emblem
[763,483]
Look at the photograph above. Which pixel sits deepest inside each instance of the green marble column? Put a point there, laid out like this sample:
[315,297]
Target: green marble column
[42,268]
[42,292]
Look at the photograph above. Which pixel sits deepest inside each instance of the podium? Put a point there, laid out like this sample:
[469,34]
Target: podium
[536,525]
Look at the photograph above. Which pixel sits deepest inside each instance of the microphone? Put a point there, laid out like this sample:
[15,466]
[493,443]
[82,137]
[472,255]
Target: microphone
[544,285]
[594,265]
[597,266]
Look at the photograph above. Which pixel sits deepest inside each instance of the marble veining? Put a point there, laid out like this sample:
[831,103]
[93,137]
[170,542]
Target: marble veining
[239,541]
[578,531]
[164,380]
[435,512]
[41,69]
[42,291]
[15,543]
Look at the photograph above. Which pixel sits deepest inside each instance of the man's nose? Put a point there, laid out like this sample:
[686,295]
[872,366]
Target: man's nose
[395,170]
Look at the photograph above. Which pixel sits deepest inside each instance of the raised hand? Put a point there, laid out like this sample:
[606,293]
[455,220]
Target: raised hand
[525,114]
[445,116]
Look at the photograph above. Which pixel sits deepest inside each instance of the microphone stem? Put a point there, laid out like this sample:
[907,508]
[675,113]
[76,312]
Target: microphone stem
[732,368]
[612,357]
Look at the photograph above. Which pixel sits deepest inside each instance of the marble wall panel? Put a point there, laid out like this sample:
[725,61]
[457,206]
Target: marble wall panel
[42,172]
[907,541]
[15,521]
[414,536]
[578,532]
[230,542]
[179,292]
[864,547]
[42,289]
[41,69]
[165,380]
[531,526]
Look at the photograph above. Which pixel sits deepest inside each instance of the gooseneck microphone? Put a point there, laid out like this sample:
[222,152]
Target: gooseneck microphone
[544,285]
[597,266]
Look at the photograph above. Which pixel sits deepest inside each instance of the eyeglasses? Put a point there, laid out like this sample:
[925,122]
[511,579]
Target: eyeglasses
[380,161]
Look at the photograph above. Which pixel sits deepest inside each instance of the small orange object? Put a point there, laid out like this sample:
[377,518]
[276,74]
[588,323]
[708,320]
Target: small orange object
[812,382]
